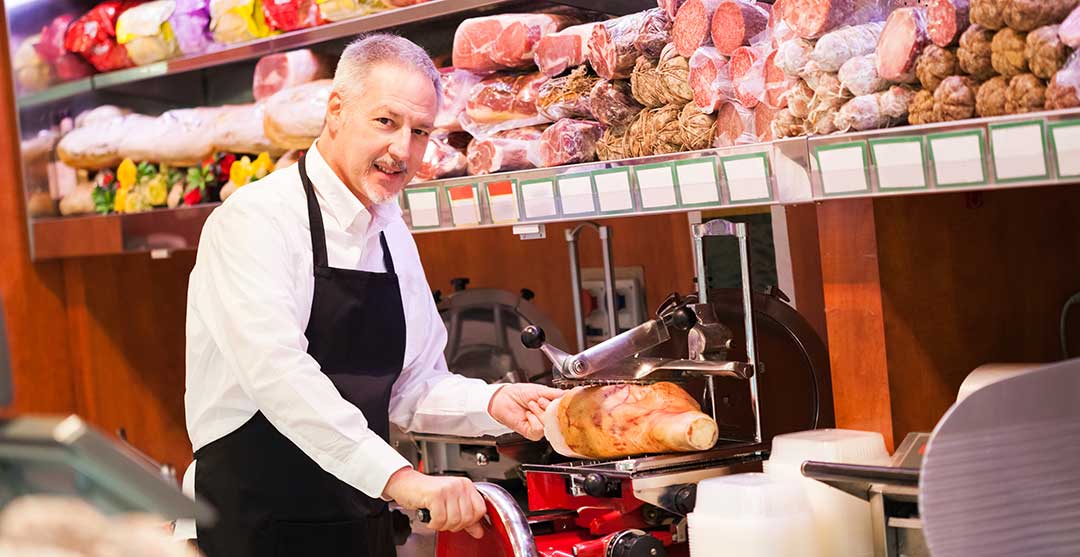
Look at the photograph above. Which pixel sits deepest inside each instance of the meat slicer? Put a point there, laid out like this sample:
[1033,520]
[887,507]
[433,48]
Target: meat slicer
[637,506]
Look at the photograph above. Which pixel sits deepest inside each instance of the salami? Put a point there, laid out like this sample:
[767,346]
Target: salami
[860,114]
[654,34]
[823,111]
[569,141]
[934,65]
[954,99]
[1026,93]
[738,23]
[826,85]
[275,72]
[562,50]
[441,160]
[785,124]
[734,125]
[612,104]
[670,7]
[516,149]
[1007,52]
[747,67]
[1045,52]
[503,102]
[987,13]
[566,97]
[1069,31]
[946,20]
[811,19]
[902,39]
[799,100]
[1028,15]
[990,99]
[763,120]
[975,53]
[693,25]
[1064,89]
[710,79]
[793,56]
[859,75]
[777,84]
[612,51]
[456,87]
[837,47]
[894,102]
[780,30]
[503,41]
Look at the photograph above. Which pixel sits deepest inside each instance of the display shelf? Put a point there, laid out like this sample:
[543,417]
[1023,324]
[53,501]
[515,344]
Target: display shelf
[984,154]
[55,93]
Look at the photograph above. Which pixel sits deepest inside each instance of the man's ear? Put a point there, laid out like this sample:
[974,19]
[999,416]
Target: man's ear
[334,112]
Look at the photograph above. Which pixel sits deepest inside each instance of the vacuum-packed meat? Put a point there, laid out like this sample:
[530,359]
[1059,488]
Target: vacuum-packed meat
[654,33]
[763,120]
[734,125]
[569,141]
[567,96]
[1045,52]
[503,102]
[777,83]
[503,41]
[747,66]
[841,45]
[793,56]
[901,42]
[612,104]
[859,75]
[738,23]
[934,65]
[516,149]
[710,79]
[612,49]
[622,420]
[670,7]
[294,117]
[456,87]
[976,52]
[946,20]
[560,51]
[1007,52]
[275,72]
[441,160]
[1069,31]
[811,19]
[1064,88]
[693,25]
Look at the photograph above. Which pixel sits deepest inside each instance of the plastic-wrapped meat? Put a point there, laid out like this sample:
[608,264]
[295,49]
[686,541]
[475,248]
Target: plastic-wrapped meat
[93,36]
[1045,52]
[738,23]
[558,52]
[503,41]
[987,13]
[895,100]
[778,27]
[990,100]
[792,56]
[763,120]
[1007,52]
[567,96]
[785,124]
[612,51]
[861,114]
[612,146]
[975,52]
[777,83]
[934,65]
[859,75]
[823,112]
[837,47]
[921,108]
[456,86]
[516,149]
[811,19]
[569,142]
[1064,89]
[954,99]
[503,102]
[1026,93]
[946,20]
[275,72]
[901,42]
[710,79]
[826,85]
[799,100]
[290,15]
[1028,15]
[655,33]
[693,25]
[670,7]
[1069,31]
[612,104]
[441,160]
[665,82]
[747,66]
[66,65]
[734,125]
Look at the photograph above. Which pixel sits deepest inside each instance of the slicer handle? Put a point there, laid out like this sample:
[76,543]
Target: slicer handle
[533,337]
[684,319]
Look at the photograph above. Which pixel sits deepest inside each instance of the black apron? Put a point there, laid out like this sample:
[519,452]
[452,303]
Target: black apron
[272,499]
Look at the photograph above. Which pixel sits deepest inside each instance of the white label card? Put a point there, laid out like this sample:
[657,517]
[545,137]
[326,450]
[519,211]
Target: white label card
[576,195]
[899,164]
[538,199]
[1067,144]
[502,202]
[697,182]
[958,159]
[747,178]
[613,191]
[843,169]
[424,208]
[1018,152]
[657,187]
[464,207]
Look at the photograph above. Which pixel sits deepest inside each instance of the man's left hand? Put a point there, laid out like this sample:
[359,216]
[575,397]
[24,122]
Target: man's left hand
[519,406]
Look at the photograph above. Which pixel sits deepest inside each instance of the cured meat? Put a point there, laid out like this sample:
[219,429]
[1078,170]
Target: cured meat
[516,149]
[612,104]
[902,39]
[879,110]
[560,51]
[441,160]
[569,141]
[823,111]
[612,146]
[780,30]
[946,20]
[623,420]
[294,117]
[1026,93]
[859,75]
[1064,88]
[747,66]
[290,15]
[710,79]
[612,49]
[738,23]
[837,47]
[503,99]
[785,124]
[934,65]
[894,102]
[793,56]
[1007,52]
[1028,15]
[1045,52]
[734,125]
[975,53]
[665,82]
[698,128]
[763,120]
[670,7]
[275,72]
[693,25]
[825,84]
[990,99]
[503,41]
[655,131]
[921,108]
[988,13]
[811,19]
[799,100]
[456,86]
[654,34]
[566,97]
[1069,31]
[954,99]
[777,83]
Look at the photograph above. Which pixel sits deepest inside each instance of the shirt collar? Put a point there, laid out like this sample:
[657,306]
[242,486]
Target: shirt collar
[340,201]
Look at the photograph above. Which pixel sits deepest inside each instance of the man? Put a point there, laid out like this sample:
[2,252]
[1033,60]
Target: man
[311,328]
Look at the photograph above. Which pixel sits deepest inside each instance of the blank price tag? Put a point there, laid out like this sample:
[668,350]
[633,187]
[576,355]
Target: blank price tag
[843,168]
[698,183]
[958,158]
[423,207]
[1065,137]
[576,194]
[657,185]
[747,177]
[464,205]
[502,202]
[899,163]
[1019,151]
[538,199]
[613,190]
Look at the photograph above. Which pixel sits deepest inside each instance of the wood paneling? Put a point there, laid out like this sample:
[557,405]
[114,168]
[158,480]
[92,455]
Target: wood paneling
[802,235]
[72,236]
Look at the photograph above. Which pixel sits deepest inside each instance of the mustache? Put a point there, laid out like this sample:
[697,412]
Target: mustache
[396,166]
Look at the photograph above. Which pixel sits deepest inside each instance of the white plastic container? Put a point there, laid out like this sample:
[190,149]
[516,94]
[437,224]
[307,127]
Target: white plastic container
[843,522]
[751,515]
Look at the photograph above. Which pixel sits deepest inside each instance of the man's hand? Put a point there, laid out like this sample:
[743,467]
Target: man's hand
[454,503]
[519,407]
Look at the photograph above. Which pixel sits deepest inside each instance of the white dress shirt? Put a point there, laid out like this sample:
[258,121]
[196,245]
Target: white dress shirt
[249,300]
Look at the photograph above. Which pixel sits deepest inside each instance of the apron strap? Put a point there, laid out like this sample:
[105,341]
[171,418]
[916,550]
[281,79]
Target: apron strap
[388,261]
[318,233]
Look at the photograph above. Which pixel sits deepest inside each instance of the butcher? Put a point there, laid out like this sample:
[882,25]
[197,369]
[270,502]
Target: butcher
[311,329]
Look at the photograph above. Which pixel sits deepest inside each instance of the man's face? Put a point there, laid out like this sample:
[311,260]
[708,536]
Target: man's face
[379,136]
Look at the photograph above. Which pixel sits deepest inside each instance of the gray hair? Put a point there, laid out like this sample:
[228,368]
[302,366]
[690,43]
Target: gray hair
[367,51]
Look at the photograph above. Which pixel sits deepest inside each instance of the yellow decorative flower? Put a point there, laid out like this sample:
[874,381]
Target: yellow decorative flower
[262,165]
[241,171]
[157,191]
[125,173]
[120,202]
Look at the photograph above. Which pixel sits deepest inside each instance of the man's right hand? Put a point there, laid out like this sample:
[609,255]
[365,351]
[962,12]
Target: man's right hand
[454,503]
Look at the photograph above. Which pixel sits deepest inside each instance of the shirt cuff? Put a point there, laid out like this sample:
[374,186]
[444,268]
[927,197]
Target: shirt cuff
[371,466]
[476,409]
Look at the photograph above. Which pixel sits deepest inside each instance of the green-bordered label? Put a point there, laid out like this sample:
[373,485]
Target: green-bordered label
[656,186]
[576,195]
[698,182]
[1065,143]
[614,192]
[423,208]
[843,168]
[958,157]
[900,163]
[748,178]
[464,200]
[1019,150]
[502,200]
[537,198]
